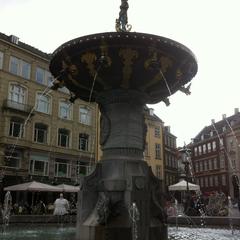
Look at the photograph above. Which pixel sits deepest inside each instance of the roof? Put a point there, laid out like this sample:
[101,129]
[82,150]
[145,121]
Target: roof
[25,46]
[219,126]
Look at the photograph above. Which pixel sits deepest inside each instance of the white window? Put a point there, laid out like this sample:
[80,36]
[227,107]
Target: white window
[65,110]
[43,77]
[1,60]
[209,147]
[204,148]
[158,171]
[195,151]
[39,165]
[83,142]
[40,133]
[16,127]
[157,132]
[157,151]
[13,158]
[63,137]
[19,67]
[17,93]
[43,103]
[200,150]
[62,168]
[85,115]
[214,145]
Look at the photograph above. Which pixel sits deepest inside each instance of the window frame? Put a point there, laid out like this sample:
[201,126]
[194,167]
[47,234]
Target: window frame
[47,105]
[85,118]
[68,108]
[20,65]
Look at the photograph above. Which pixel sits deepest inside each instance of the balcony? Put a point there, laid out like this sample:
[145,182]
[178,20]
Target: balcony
[16,106]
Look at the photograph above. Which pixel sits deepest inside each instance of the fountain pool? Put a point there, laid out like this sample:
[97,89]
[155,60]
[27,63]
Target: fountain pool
[54,232]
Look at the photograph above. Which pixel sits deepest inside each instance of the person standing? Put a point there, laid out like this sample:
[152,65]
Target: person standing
[61,206]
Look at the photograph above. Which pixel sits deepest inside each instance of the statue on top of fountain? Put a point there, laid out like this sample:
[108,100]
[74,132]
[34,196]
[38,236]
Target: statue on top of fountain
[122,22]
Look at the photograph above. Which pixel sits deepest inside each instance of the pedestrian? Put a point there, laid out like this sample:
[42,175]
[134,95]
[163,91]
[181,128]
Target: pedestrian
[61,206]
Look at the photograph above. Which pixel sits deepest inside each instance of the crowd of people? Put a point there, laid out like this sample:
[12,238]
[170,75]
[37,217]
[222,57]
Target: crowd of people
[61,206]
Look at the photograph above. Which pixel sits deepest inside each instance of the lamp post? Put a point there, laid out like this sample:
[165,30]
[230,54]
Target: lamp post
[185,156]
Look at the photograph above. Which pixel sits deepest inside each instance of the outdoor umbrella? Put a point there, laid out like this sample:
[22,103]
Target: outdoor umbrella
[182,186]
[68,188]
[33,187]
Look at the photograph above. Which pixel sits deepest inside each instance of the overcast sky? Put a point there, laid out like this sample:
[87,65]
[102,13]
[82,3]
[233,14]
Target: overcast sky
[210,28]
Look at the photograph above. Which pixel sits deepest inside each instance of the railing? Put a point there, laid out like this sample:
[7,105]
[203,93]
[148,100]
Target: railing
[9,104]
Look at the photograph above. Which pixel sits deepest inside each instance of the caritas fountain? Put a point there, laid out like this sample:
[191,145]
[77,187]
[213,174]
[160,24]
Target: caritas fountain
[122,71]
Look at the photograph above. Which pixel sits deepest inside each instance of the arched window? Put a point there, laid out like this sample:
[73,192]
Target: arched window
[43,103]
[65,110]
[17,93]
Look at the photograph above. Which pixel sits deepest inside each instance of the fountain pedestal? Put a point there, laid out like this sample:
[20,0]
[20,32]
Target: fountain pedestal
[121,178]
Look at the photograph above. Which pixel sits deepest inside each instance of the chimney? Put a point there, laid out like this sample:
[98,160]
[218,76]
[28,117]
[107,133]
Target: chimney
[224,116]
[236,110]
[213,121]
[14,39]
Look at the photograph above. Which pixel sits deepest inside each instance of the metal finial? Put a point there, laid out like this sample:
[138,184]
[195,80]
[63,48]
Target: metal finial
[122,22]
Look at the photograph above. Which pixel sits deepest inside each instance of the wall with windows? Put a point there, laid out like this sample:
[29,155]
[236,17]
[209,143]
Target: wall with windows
[41,133]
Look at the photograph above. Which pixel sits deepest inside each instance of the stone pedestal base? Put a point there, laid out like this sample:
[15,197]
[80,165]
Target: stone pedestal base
[123,204]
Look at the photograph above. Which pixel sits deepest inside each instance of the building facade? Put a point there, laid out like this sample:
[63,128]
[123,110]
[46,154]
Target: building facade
[154,146]
[215,156]
[42,135]
[170,158]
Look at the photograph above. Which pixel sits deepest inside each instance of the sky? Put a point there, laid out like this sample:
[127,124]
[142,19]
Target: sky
[210,28]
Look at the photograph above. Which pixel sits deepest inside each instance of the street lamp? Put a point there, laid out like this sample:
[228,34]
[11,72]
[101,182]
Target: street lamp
[185,156]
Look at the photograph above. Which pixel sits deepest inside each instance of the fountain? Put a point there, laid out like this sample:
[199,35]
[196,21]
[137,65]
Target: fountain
[6,211]
[122,71]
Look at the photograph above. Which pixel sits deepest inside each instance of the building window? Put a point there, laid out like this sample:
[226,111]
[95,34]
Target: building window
[43,77]
[16,127]
[196,167]
[13,158]
[43,103]
[205,165]
[224,183]
[215,163]
[214,145]
[158,171]
[204,148]
[39,165]
[17,93]
[206,181]
[40,133]
[201,182]
[216,180]
[83,142]
[157,151]
[1,60]
[222,161]
[210,164]
[19,67]
[82,169]
[200,150]
[65,110]
[63,137]
[201,166]
[195,151]
[209,147]
[85,115]
[157,132]
[211,181]
[62,168]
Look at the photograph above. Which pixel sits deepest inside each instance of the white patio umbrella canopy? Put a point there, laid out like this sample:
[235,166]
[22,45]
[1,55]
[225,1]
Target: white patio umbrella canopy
[182,186]
[33,187]
[68,188]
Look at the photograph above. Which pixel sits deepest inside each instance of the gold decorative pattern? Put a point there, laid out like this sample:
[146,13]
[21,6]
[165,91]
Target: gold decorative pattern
[128,55]
[104,52]
[90,58]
